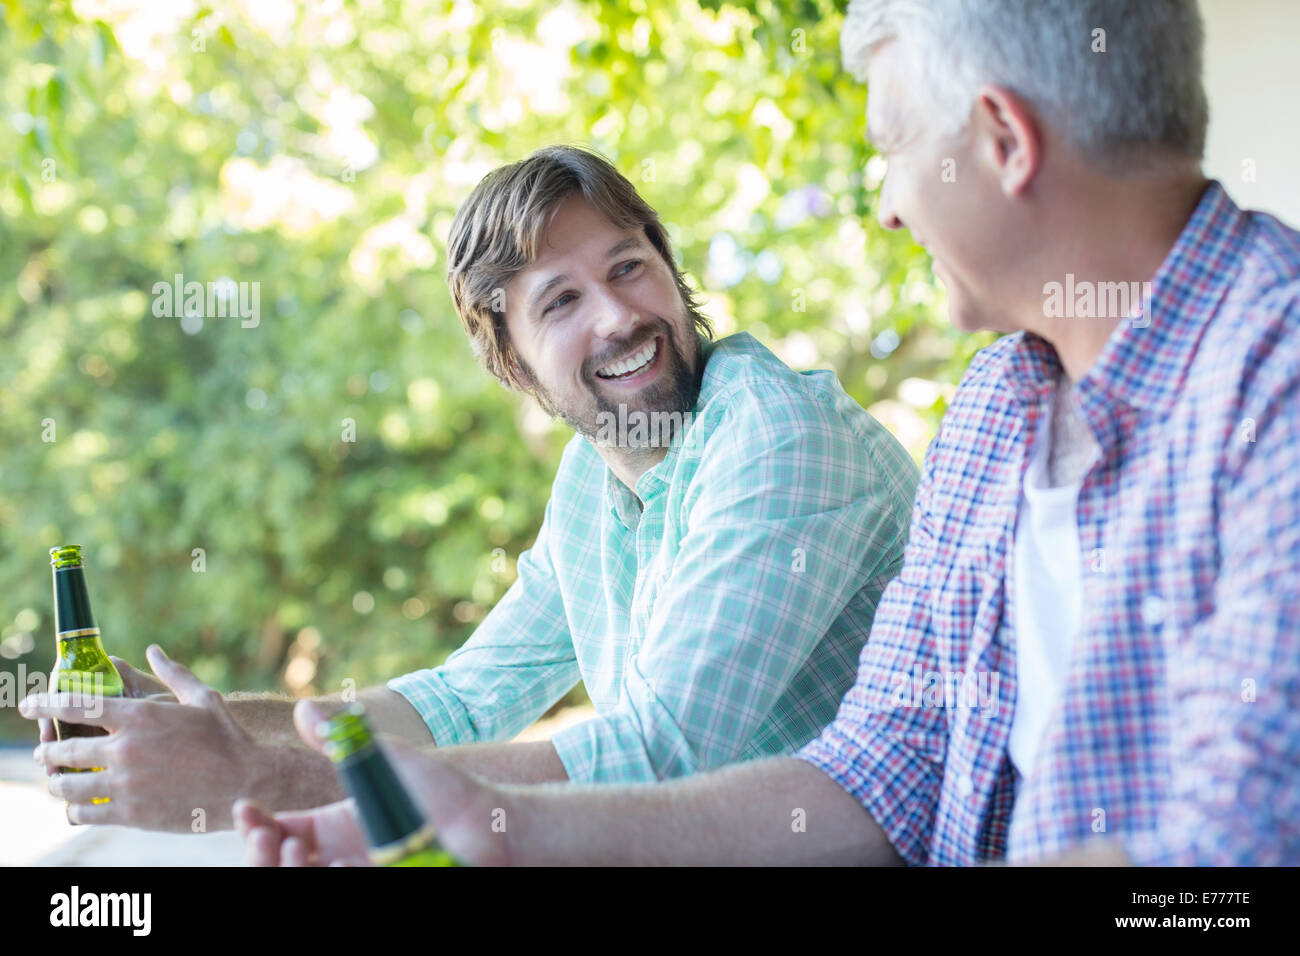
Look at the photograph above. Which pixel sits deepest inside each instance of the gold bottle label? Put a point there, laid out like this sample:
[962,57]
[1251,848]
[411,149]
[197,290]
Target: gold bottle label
[421,838]
[84,632]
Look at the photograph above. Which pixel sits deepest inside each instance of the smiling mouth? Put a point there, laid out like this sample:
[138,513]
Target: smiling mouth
[633,364]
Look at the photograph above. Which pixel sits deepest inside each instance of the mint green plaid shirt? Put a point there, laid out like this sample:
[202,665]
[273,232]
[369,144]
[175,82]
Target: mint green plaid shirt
[722,621]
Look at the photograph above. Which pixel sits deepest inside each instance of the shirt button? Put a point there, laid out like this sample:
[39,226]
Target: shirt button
[1153,610]
[965,785]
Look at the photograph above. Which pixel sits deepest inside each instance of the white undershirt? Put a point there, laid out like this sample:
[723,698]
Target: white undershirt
[1048,570]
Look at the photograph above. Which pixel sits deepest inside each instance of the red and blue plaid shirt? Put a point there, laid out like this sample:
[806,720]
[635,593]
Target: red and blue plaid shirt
[1177,731]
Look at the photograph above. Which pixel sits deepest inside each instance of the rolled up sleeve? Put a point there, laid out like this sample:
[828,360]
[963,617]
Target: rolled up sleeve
[519,661]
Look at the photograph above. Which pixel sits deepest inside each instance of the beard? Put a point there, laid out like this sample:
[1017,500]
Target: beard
[668,402]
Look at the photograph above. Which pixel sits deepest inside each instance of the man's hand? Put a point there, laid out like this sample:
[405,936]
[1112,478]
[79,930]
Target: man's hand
[327,836]
[163,761]
[1095,852]
[136,683]
[461,808]
[140,684]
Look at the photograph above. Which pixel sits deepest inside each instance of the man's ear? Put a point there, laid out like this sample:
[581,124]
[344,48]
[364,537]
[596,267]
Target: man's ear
[1007,135]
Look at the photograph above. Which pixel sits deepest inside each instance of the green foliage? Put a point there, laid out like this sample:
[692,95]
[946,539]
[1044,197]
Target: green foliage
[321,156]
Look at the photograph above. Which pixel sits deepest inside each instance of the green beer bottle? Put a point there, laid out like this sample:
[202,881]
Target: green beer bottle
[395,828]
[81,667]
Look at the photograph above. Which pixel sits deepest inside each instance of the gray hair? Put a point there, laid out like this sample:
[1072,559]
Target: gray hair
[1143,93]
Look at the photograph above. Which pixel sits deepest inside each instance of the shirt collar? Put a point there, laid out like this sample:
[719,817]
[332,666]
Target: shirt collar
[1145,360]
[1032,369]
[620,501]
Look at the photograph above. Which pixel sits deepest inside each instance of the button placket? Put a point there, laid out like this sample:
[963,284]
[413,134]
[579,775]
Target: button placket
[965,785]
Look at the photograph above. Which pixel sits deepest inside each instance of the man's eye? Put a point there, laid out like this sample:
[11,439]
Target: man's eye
[629,267]
[558,302]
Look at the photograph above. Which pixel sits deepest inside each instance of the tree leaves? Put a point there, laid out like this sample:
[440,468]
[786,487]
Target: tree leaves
[321,159]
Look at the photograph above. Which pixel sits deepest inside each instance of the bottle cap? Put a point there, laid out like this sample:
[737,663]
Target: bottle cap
[346,733]
[66,556]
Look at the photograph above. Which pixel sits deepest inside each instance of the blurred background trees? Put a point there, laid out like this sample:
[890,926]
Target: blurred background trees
[317,151]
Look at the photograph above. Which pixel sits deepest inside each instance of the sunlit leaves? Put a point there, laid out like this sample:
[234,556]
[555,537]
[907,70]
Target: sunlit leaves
[322,158]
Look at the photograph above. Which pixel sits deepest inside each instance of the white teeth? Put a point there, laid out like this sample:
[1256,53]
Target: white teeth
[632,363]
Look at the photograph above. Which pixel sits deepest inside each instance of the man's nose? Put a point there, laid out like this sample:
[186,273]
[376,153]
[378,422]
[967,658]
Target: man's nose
[614,316]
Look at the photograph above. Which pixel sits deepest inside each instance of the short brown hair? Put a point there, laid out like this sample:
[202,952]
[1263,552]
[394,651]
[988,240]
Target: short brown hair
[498,232]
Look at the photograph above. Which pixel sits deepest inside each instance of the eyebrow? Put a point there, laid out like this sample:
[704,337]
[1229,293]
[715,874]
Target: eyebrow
[621,246]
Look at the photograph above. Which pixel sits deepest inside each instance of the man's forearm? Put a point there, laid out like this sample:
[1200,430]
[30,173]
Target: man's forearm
[287,774]
[777,811]
[390,713]
[284,773]
[287,777]
[522,763]
[268,718]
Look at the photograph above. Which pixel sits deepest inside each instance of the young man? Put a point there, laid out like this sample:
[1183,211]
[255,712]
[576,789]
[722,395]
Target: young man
[718,536]
[1105,544]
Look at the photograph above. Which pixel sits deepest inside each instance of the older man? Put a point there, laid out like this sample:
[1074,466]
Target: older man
[1107,529]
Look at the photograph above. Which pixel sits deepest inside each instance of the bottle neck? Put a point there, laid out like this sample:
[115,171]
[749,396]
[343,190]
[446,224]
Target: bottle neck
[72,612]
[388,815]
